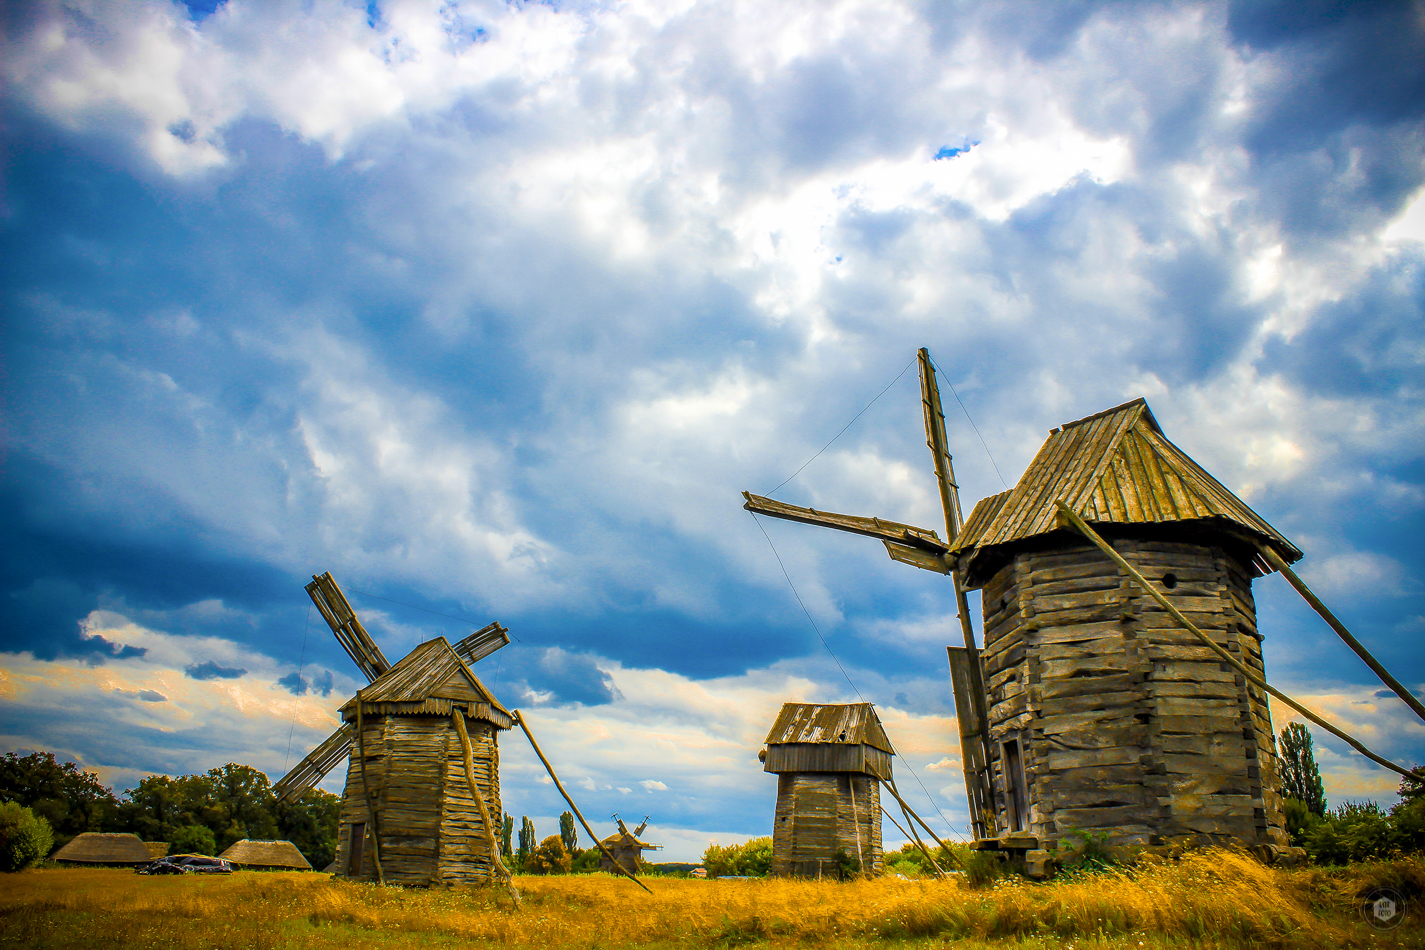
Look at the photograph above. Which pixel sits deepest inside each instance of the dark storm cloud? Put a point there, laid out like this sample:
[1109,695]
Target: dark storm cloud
[1342,63]
[209,670]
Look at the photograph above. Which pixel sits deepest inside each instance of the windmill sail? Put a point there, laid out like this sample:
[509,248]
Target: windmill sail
[482,643]
[312,769]
[349,631]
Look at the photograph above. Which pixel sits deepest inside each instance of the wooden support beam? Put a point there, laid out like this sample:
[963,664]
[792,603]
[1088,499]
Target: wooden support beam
[916,838]
[908,535]
[1281,565]
[459,716]
[577,813]
[1068,518]
[366,794]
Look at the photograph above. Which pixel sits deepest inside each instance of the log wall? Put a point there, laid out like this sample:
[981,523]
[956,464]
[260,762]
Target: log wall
[1130,727]
[815,818]
[430,827]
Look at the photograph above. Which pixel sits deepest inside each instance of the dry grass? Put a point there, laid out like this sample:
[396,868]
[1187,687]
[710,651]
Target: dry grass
[1215,899]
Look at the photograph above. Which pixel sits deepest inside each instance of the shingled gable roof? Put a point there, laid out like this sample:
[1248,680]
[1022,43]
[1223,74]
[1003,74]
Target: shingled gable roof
[430,671]
[839,723]
[1113,467]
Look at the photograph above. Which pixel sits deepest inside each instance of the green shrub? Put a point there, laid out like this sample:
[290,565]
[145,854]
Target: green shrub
[752,859]
[1353,831]
[549,858]
[586,860]
[24,839]
[193,839]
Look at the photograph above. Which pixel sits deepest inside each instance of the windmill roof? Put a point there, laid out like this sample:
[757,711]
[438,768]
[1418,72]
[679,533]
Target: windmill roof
[838,723]
[266,854]
[430,671]
[93,847]
[620,840]
[1113,467]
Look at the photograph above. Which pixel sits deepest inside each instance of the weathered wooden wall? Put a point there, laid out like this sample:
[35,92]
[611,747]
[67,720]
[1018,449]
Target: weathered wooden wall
[1128,725]
[827,757]
[429,824]
[815,818]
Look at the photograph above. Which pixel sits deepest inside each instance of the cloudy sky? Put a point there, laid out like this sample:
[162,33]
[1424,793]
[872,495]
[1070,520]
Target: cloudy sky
[492,309]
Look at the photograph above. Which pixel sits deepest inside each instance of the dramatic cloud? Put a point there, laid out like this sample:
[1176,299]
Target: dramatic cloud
[492,310]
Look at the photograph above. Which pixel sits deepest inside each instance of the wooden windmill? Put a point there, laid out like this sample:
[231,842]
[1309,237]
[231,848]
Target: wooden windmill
[829,760]
[624,848]
[1091,709]
[423,775]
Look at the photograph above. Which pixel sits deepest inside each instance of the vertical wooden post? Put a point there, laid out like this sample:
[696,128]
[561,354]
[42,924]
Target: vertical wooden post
[954,520]
[366,792]
[856,820]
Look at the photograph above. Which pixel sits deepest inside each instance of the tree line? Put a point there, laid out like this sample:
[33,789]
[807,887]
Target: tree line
[200,814]
[1352,831]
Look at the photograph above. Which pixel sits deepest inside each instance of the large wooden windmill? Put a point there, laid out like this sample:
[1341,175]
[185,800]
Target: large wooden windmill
[423,775]
[1092,707]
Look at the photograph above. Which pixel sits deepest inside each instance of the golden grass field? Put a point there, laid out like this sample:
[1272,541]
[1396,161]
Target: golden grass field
[1207,899]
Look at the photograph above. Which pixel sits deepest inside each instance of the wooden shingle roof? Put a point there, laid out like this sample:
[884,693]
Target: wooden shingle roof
[839,723]
[430,679]
[1113,467]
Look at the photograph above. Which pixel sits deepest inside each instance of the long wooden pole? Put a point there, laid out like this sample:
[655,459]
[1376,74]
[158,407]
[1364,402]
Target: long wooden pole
[1281,565]
[916,838]
[577,814]
[495,861]
[954,518]
[1070,518]
[910,814]
[856,818]
[366,793]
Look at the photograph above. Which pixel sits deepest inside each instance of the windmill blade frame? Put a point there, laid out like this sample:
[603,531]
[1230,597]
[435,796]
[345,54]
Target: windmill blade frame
[337,612]
[315,765]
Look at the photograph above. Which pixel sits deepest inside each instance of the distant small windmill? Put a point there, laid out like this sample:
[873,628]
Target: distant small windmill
[624,848]
[423,778]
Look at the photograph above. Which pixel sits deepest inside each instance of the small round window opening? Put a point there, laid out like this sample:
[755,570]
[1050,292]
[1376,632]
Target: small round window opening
[1170,580]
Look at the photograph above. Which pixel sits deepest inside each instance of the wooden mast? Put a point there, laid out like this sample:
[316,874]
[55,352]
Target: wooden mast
[977,780]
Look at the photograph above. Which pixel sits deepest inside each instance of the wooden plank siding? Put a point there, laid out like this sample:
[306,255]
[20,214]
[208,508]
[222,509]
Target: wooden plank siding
[429,825]
[1127,725]
[815,819]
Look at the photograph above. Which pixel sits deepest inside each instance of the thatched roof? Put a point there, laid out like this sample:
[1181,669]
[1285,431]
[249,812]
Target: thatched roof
[266,854]
[156,849]
[623,841]
[1113,467]
[94,847]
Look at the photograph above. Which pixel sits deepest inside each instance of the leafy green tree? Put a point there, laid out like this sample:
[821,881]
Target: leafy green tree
[240,805]
[159,805]
[70,800]
[192,839]
[24,838]
[506,830]
[1300,777]
[527,839]
[567,833]
[310,823]
[549,858]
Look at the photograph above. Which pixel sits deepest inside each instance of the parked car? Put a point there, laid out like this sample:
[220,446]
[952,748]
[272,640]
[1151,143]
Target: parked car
[187,864]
